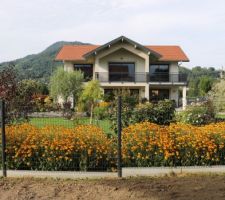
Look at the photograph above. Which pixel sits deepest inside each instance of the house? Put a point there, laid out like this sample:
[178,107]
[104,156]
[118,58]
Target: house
[152,72]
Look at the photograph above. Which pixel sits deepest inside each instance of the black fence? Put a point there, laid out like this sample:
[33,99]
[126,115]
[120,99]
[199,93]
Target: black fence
[49,141]
[3,140]
[56,143]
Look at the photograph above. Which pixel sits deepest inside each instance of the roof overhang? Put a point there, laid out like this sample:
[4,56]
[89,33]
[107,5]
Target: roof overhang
[121,39]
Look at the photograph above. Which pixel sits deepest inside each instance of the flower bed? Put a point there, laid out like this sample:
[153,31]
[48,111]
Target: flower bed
[148,144]
[87,147]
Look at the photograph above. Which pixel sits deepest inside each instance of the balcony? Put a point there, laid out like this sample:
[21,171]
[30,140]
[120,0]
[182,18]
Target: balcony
[140,77]
[166,77]
[121,77]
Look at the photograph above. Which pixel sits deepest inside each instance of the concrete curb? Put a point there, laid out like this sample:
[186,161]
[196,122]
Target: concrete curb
[160,171]
[59,174]
[126,172]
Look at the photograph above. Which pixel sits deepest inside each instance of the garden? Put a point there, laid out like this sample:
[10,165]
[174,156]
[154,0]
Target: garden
[87,147]
[80,133]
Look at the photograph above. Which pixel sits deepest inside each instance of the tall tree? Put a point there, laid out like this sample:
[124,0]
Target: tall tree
[205,85]
[92,93]
[217,95]
[17,95]
[200,79]
[66,84]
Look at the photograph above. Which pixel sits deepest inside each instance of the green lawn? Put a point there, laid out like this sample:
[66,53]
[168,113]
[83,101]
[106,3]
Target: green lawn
[220,115]
[59,121]
[44,121]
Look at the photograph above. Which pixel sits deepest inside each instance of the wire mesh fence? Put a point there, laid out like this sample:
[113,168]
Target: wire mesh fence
[50,141]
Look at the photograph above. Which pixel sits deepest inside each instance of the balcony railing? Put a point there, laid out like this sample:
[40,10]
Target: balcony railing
[140,77]
[168,77]
[121,77]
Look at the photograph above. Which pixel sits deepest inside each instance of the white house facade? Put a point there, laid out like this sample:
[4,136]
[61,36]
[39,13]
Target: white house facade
[151,72]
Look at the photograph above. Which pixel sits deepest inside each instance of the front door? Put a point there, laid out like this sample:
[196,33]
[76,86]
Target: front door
[159,94]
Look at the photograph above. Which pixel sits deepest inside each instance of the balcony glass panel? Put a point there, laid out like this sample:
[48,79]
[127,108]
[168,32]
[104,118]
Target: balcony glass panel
[159,73]
[124,72]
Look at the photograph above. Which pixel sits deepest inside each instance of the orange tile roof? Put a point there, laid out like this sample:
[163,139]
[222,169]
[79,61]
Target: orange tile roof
[170,53]
[76,52]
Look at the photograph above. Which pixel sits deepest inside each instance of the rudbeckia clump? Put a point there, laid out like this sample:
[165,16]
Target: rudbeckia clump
[147,144]
[84,147]
[87,147]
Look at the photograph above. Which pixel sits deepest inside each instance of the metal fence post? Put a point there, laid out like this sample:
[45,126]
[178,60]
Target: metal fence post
[119,128]
[2,111]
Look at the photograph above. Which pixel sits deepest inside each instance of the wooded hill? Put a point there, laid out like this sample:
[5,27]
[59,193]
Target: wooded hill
[41,65]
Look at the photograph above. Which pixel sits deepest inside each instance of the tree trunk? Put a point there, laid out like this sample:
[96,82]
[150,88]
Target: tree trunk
[74,102]
[91,116]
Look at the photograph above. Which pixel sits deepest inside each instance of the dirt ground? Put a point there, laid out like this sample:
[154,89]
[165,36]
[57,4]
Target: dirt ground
[167,187]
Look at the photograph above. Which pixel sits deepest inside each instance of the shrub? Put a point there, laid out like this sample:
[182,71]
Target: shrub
[197,114]
[128,104]
[160,113]
[101,112]
[45,103]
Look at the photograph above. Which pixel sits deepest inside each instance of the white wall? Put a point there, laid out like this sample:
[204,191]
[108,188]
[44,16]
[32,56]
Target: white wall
[174,70]
[68,66]
[122,55]
[174,67]
[174,94]
[122,52]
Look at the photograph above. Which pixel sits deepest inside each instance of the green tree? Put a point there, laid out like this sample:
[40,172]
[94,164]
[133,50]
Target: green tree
[66,84]
[200,79]
[30,87]
[193,88]
[18,95]
[205,85]
[91,94]
[217,95]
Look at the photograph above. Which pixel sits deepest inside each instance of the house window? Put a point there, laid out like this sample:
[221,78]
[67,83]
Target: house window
[87,70]
[159,69]
[121,72]
[159,73]
[159,94]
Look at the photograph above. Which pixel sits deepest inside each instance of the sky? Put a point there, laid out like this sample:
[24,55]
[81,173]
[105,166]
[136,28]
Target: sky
[198,26]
